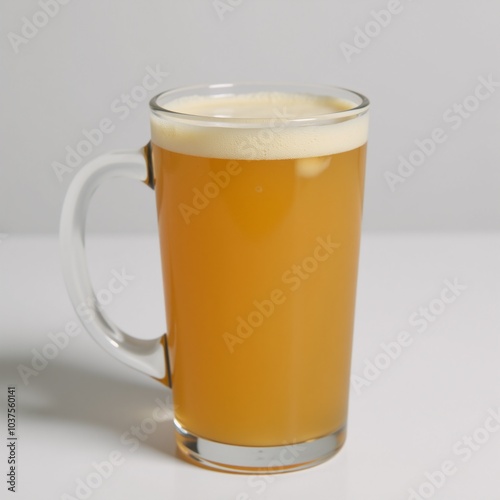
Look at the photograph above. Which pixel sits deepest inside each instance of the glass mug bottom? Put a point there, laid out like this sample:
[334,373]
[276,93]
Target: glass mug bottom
[259,191]
[257,459]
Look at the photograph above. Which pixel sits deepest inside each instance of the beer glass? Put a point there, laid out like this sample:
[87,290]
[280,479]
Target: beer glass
[259,191]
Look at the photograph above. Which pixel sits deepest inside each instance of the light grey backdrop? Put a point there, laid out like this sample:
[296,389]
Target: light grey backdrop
[67,64]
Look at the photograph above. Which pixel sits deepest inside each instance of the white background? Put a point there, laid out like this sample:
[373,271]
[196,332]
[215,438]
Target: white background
[428,58]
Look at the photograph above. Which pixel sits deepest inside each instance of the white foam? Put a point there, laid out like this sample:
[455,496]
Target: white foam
[261,131]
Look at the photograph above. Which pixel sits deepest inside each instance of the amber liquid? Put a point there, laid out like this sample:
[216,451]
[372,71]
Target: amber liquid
[270,235]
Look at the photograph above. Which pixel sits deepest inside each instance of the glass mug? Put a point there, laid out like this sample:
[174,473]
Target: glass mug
[259,191]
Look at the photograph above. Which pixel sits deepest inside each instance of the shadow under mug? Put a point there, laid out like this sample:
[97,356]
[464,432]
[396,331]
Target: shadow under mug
[259,192]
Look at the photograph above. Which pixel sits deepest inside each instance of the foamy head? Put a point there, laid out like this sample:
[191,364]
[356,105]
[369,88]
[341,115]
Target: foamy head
[258,126]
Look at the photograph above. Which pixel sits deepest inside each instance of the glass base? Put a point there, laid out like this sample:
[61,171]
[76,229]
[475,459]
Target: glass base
[258,460]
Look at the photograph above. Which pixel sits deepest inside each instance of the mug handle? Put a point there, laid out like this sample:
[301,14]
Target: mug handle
[147,356]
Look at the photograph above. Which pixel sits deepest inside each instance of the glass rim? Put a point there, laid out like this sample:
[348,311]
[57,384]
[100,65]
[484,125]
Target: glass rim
[360,102]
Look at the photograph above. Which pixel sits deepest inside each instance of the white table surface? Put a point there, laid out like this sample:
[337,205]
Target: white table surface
[407,422]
